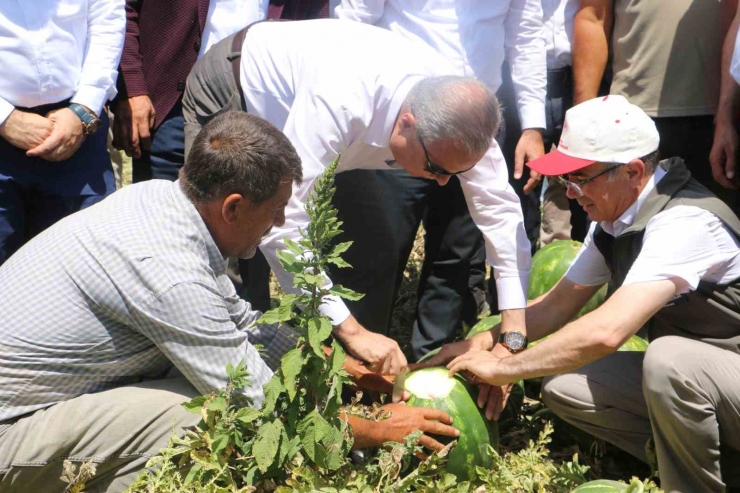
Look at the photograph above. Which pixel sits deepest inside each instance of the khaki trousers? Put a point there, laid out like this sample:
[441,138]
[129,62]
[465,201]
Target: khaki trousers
[118,429]
[683,393]
[555,224]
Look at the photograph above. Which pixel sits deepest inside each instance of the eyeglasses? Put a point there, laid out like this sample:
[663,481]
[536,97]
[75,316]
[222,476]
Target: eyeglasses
[436,169]
[576,187]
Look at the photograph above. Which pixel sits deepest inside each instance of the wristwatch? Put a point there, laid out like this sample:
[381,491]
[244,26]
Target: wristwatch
[513,341]
[90,120]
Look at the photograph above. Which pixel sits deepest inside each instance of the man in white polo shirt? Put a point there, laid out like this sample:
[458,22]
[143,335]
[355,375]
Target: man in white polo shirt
[671,249]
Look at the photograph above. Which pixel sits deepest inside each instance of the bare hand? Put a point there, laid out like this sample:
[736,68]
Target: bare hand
[481,342]
[724,155]
[530,147]
[26,130]
[65,139]
[405,420]
[381,354]
[134,119]
[485,366]
[494,398]
[369,381]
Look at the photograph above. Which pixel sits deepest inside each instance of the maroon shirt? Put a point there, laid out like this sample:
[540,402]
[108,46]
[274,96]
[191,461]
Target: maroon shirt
[163,40]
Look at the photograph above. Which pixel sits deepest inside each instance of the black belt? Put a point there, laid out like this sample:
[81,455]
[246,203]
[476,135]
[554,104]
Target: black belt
[559,82]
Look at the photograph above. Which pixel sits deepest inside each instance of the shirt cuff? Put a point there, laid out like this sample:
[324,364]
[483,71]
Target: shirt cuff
[5,110]
[334,308]
[532,116]
[92,97]
[512,292]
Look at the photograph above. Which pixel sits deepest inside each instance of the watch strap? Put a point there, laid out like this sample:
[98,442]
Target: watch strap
[88,119]
[502,341]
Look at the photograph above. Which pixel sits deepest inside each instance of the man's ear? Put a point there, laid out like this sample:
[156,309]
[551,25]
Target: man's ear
[636,171]
[231,207]
[406,122]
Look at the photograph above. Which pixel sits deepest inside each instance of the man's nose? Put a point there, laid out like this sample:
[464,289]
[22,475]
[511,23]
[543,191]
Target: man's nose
[279,219]
[571,193]
[442,179]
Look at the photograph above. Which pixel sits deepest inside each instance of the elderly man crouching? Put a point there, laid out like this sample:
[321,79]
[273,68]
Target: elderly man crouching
[98,308]
[671,249]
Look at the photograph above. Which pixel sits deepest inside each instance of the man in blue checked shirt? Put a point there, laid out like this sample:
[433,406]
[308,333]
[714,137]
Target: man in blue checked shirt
[98,309]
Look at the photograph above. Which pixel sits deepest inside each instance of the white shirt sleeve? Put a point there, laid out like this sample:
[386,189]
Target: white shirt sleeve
[589,267]
[106,29]
[316,148]
[527,55]
[367,11]
[689,243]
[5,110]
[495,208]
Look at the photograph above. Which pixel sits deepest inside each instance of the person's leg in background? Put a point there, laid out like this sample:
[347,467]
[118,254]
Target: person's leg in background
[35,193]
[562,218]
[452,244]
[690,137]
[167,152]
[381,212]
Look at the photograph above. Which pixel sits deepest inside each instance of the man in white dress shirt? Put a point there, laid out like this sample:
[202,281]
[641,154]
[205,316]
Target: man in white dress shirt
[474,37]
[672,250]
[344,88]
[57,70]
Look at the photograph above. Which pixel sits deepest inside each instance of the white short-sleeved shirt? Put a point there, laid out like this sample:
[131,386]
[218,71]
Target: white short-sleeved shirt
[735,63]
[683,242]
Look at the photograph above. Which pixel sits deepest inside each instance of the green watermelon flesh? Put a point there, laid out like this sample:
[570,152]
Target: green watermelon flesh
[434,388]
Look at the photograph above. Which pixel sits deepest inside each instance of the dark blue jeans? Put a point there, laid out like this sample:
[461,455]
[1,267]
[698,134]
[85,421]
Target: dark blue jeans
[34,193]
[167,154]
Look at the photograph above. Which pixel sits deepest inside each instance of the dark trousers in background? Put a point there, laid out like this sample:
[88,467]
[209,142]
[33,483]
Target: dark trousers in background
[690,137]
[167,154]
[382,211]
[34,193]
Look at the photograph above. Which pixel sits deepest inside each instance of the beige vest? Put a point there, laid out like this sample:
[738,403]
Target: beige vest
[667,55]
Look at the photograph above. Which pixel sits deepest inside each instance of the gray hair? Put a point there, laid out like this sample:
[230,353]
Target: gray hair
[457,108]
[239,153]
[651,162]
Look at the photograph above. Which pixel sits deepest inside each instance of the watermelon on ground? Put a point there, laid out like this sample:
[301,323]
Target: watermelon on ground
[608,486]
[434,388]
[549,264]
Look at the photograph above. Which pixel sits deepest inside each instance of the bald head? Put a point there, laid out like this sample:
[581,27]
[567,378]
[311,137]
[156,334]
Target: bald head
[458,109]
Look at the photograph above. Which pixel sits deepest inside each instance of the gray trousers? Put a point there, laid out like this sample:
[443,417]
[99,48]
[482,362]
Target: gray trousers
[118,429]
[210,90]
[683,393]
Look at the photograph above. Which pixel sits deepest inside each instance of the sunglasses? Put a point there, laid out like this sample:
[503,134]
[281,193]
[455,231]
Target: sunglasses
[436,169]
[575,186]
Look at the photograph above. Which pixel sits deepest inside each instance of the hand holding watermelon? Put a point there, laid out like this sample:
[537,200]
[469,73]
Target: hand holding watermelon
[405,420]
[485,365]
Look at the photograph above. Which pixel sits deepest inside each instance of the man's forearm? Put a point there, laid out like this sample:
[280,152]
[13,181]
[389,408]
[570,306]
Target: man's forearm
[592,28]
[363,430]
[594,335]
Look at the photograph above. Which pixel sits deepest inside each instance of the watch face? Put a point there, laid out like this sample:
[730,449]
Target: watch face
[515,340]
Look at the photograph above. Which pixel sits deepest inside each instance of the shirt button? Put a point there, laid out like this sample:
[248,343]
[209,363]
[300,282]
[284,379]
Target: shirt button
[196,46]
[181,86]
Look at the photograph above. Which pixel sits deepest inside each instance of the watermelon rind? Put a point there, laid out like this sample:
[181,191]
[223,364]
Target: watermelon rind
[550,264]
[434,388]
[601,486]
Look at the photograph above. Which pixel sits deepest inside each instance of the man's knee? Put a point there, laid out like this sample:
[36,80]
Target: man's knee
[665,360]
[558,392]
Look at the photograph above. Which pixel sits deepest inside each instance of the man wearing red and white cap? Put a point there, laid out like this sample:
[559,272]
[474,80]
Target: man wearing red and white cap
[671,249]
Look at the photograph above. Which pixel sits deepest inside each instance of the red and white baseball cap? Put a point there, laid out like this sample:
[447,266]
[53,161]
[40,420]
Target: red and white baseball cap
[606,129]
